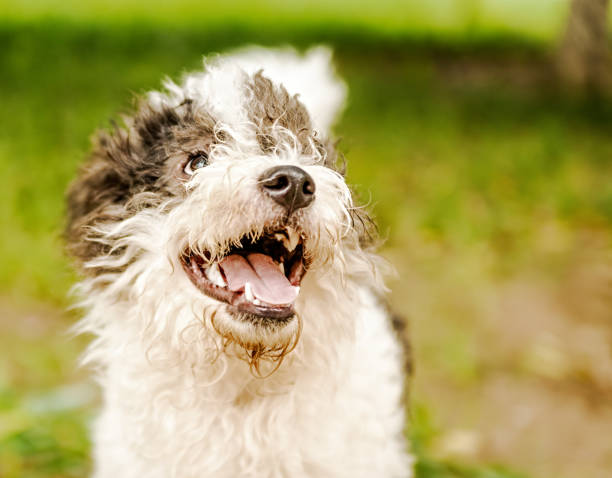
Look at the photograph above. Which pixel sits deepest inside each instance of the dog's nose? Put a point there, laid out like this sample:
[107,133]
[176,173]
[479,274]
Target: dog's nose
[290,186]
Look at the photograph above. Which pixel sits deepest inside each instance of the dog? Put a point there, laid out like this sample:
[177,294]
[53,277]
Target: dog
[232,285]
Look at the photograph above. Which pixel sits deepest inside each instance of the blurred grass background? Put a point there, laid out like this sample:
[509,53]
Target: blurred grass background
[491,182]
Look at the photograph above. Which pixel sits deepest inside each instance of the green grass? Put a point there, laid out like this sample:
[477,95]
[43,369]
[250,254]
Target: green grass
[541,21]
[481,166]
[44,444]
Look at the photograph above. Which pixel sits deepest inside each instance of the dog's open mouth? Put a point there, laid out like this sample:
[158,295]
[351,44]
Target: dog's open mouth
[261,278]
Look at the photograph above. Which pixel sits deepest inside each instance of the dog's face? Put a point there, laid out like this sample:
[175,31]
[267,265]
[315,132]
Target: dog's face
[227,201]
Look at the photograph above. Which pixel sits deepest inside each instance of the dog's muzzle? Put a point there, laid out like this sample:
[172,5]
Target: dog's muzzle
[260,277]
[290,186]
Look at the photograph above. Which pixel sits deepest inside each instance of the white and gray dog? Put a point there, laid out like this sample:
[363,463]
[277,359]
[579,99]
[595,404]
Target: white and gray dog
[231,285]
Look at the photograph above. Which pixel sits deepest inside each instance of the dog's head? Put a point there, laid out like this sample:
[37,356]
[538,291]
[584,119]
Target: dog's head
[222,197]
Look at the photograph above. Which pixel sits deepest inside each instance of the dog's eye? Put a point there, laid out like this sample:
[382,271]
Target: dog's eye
[196,161]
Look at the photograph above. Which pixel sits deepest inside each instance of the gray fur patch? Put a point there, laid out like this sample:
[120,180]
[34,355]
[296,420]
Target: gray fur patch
[273,106]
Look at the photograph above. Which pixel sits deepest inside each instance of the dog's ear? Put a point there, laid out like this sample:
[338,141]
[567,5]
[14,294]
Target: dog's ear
[96,196]
[311,76]
[124,162]
[319,87]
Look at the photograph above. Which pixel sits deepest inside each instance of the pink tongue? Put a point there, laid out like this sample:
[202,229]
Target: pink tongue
[268,283]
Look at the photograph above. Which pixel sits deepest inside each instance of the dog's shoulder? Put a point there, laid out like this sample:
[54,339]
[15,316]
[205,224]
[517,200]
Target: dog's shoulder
[402,331]
[401,327]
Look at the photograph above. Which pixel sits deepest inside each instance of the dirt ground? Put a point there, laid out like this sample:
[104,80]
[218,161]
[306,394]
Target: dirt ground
[517,371]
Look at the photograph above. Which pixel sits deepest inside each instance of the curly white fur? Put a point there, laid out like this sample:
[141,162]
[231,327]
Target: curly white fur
[177,402]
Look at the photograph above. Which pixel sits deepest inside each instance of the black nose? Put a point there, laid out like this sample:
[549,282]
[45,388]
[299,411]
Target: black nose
[289,186]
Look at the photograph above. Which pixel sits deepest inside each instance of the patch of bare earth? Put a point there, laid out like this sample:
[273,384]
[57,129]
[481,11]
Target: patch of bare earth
[516,371]
[38,351]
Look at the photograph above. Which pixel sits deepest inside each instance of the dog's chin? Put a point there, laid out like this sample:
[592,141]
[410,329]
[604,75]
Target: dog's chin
[253,332]
[258,280]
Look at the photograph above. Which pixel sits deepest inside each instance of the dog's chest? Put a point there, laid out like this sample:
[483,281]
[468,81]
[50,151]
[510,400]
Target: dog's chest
[334,415]
[306,431]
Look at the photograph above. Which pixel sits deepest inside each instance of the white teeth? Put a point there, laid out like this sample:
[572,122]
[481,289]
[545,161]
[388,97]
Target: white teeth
[290,239]
[294,239]
[281,266]
[248,293]
[213,274]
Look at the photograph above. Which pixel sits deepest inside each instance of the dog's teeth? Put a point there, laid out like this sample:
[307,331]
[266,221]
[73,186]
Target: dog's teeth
[213,274]
[293,240]
[281,266]
[248,293]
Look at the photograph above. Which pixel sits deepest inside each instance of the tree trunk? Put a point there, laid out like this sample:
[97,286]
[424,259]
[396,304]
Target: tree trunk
[584,59]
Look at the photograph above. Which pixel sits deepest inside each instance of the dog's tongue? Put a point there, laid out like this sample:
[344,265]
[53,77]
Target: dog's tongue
[267,281]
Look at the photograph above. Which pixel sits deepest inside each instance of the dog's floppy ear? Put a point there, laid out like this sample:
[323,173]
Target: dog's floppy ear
[319,88]
[311,76]
[97,194]
[124,162]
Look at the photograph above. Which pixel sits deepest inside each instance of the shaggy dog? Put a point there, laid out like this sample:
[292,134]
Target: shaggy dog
[231,286]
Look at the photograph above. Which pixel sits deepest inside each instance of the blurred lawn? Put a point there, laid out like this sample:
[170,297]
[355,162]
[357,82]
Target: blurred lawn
[451,19]
[479,167]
